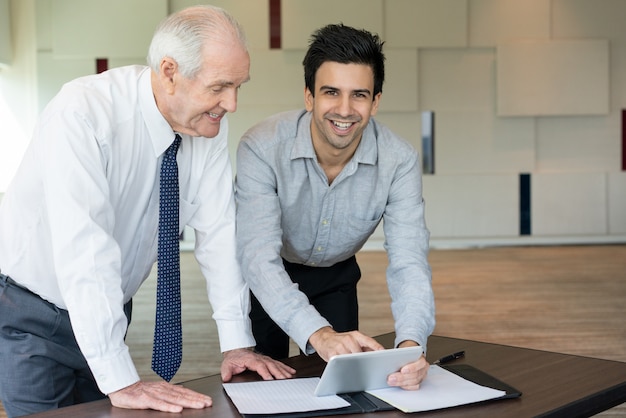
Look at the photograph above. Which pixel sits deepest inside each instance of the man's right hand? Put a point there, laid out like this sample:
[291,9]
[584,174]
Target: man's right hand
[161,396]
[327,342]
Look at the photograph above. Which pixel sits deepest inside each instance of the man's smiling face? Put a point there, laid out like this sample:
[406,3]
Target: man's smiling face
[341,105]
[196,106]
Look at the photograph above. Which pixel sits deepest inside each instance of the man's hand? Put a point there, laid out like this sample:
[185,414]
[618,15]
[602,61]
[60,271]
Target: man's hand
[161,396]
[239,360]
[411,375]
[328,342]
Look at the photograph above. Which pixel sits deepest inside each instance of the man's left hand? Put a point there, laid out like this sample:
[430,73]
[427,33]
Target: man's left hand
[241,359]
[410,375]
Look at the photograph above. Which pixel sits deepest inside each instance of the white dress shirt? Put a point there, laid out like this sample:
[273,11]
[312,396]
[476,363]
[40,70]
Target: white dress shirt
[78,225]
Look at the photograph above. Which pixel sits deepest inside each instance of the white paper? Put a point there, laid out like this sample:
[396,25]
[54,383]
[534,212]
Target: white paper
[440,389]
[280,396]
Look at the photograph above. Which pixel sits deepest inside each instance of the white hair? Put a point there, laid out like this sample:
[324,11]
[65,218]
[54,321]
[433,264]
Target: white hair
[183,35]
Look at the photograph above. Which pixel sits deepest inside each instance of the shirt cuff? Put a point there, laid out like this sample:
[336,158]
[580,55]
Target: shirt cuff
[303,325]
[115,373]
[418,339]
[235,334]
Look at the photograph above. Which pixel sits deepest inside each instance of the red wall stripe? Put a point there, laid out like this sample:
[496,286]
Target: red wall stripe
[623,139]
[102,64]
[275,34]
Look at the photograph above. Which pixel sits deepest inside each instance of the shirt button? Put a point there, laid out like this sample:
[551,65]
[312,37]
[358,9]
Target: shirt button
[324,222]
[320,248]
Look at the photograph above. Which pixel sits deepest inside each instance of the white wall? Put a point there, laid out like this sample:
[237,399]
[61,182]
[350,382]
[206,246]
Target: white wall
[474,63]
[18,89]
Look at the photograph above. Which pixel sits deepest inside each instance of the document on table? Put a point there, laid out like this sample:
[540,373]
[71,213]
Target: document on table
[440,389]
[280,396]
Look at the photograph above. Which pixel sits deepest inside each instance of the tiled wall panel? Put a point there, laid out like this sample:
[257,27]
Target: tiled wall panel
[252,15]
[453,79]
[617,203]
[548,78]
[301,17]
[492,22]
[426,23]
[400,91]
[569,204]
[109,28]
[477,142]
[578,144]
[465,206]
[276,78]
[492,71]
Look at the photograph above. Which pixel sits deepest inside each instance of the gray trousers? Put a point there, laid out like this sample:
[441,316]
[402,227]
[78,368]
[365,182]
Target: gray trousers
[41,365]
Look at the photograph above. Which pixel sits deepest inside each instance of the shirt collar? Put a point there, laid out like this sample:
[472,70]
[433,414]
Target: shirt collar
[366,152]
[161,133]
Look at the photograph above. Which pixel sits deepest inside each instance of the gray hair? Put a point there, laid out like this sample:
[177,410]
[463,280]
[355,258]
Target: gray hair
[183,35]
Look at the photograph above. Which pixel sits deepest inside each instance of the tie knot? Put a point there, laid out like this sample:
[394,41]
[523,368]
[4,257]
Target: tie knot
[173,148]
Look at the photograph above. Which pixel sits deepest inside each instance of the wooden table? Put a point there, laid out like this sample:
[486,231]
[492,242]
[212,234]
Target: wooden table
[552,384]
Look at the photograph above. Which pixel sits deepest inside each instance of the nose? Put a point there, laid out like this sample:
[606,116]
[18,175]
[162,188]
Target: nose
[229,101]
[344,105]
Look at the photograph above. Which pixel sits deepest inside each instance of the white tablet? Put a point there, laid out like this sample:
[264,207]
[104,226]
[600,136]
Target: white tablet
[346,373]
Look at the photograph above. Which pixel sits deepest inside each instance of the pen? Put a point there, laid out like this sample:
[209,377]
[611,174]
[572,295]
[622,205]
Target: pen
[450,357]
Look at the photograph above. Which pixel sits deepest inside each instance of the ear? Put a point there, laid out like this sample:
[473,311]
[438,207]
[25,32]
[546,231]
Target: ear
[168,69]
[375,104]
[308,99]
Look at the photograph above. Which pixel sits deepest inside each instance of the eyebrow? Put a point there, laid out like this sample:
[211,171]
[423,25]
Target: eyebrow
[366,91]
[227,83]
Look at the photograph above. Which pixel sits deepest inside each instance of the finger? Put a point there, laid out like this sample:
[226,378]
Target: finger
[261,368]
[270,369]
[143,401]
[160,396]
[226,373]
[182,396]
[403,380]
[280,370]
[366,342]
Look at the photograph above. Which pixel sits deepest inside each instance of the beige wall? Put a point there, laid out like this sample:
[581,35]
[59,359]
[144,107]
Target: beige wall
[533,86]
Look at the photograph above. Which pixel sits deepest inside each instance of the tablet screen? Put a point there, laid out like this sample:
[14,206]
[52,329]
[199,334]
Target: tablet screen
[356,372]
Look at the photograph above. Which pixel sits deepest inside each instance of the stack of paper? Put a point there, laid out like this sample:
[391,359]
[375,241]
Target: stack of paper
[280,396]
[440,389]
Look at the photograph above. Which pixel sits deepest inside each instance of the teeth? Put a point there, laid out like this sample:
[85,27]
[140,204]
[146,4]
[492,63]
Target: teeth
[342,125]
[214,115]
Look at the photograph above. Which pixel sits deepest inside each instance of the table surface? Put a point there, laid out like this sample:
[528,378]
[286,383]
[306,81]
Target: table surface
[552,384]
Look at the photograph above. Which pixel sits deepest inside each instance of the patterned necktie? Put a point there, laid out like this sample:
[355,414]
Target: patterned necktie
[167,351]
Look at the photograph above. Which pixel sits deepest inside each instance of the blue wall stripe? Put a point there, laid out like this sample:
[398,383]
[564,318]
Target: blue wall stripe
[524,204]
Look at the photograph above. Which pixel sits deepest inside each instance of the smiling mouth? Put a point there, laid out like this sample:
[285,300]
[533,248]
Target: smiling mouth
[342,125]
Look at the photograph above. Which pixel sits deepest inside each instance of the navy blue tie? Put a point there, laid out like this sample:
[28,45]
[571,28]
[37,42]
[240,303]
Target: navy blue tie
[167,351]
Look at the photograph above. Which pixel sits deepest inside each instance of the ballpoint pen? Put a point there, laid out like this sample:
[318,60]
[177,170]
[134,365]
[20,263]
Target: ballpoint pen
[450,357]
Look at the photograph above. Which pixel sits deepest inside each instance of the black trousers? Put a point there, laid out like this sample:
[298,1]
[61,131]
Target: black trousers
[331,290]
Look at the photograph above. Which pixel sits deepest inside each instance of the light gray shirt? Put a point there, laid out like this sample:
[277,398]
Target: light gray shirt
[286,208]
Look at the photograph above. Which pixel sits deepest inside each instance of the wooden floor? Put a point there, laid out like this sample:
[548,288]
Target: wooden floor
[569,299]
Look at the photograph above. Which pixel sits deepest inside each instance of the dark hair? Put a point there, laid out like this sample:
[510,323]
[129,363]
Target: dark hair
[345,45]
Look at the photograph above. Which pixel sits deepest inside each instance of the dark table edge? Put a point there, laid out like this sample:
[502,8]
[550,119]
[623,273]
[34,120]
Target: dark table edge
[588,406]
